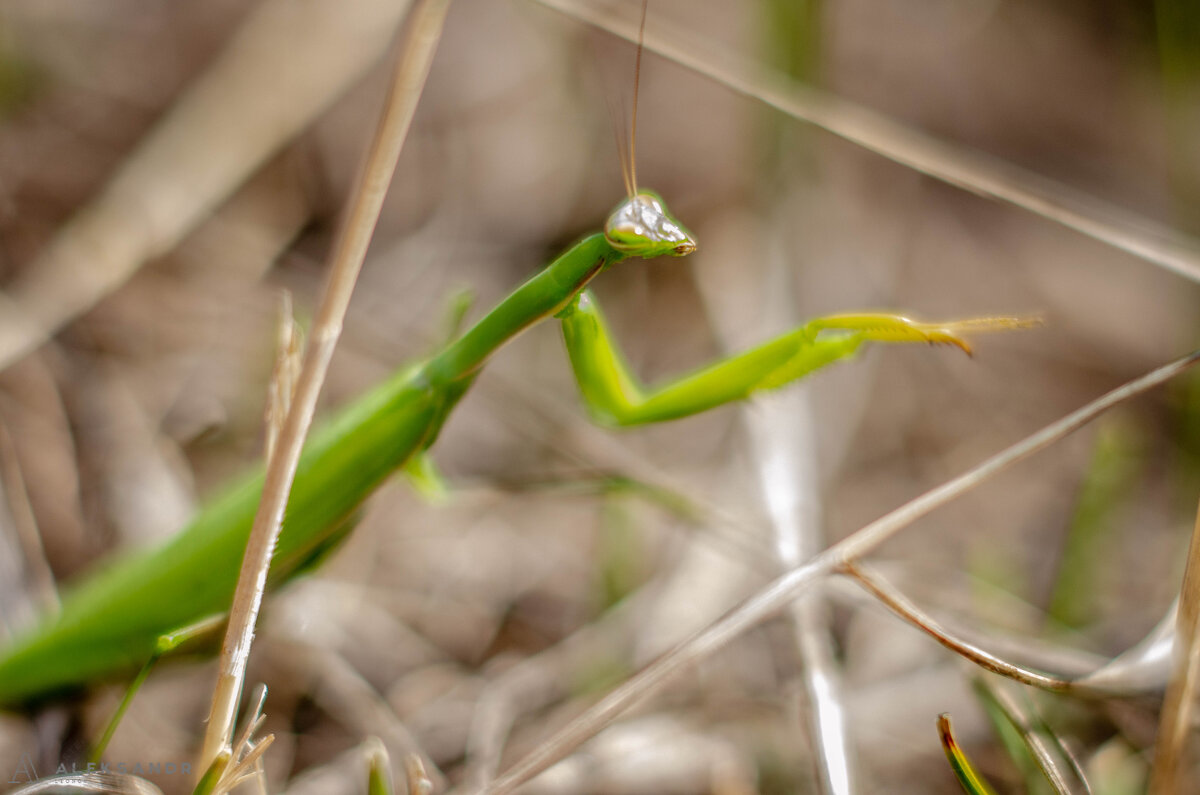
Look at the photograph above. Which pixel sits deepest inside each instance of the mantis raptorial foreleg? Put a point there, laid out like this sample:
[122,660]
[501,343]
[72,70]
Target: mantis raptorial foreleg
[615,398]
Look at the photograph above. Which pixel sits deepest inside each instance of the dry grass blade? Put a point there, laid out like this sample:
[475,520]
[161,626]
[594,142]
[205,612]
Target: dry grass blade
[782,431]
[1054,759]
[287,64]
[349,251]
[1176,745]
[415,775]
[286,370]
[782,590]
[245,763]
[950,163]
[827,715]
[882,590]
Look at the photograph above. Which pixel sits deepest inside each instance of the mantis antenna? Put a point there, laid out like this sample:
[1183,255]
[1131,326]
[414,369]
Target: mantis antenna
[637,83]
[627,142]
[641,224]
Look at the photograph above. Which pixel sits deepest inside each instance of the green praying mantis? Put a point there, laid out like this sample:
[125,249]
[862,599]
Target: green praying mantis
[112,621]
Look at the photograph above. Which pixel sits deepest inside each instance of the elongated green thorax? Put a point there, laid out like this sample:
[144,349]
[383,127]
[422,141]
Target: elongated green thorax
[542,296]
[111,620]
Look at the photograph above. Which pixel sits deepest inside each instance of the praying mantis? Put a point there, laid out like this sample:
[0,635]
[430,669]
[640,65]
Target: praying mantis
[112,621]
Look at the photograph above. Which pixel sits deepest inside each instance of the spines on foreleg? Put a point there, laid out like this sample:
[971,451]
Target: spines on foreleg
[885,327]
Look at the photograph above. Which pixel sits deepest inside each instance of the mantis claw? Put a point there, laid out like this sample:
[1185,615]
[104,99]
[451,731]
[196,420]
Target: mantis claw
[883,327]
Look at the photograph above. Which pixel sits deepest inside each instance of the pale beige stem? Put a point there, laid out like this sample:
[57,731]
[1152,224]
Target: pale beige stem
[1176,745]
[781,430]
[349,251]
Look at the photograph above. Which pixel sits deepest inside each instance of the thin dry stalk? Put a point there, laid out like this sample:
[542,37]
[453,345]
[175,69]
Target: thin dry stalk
[781,428]
[826,716]
[782,590]
[1176,745]
[415,775]
[894,600]
[282,388]
[349,251]
[784,437]
[953,164]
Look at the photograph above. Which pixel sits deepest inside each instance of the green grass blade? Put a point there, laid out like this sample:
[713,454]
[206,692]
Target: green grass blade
[971,782]
[208,782]
[379,769]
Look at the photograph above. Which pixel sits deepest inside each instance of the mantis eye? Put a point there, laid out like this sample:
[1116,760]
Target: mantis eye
[643,227]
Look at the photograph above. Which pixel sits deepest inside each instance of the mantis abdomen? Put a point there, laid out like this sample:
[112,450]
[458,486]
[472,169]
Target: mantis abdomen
[111,622]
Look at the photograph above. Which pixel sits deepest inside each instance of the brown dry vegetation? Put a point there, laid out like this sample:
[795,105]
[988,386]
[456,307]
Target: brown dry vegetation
[146,402]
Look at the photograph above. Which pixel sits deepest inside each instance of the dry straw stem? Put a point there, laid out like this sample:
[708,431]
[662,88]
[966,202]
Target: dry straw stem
[781,430]
[1175,749]
[895,601]
[777,594]
[1053,758]
[288,62]
[950,163]
[414,774]
[783,435]
[412,67]
[286,370]
[245,760]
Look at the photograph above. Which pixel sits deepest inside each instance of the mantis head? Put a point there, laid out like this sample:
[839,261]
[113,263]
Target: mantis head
[642,226]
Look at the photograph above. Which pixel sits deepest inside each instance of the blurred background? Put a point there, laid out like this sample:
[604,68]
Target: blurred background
[219,144]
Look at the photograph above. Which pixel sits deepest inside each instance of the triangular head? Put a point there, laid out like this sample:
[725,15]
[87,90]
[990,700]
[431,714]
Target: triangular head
[642,226]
